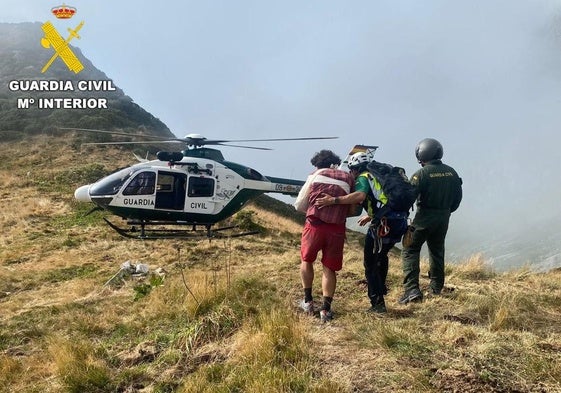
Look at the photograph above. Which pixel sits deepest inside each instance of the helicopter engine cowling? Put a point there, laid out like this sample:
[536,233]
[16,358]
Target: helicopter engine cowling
[82,194]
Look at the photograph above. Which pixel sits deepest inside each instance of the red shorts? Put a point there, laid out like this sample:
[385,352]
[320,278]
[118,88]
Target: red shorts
[329,238]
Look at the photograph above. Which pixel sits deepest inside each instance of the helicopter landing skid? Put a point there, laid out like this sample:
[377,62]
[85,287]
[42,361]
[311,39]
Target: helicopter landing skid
[144,233]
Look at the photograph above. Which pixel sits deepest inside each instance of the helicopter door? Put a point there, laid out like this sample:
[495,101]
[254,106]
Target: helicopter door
[170,190]
[200,192]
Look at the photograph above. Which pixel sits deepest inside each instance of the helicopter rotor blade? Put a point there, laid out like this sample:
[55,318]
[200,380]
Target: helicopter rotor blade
[243,147]
[130,143]
[190,140]
[154,137]
[152,142]
[214,142]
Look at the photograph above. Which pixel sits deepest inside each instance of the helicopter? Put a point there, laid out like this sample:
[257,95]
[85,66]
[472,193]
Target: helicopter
[196,187]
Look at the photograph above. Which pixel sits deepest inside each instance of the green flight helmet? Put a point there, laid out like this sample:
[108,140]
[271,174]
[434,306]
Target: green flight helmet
[428,149]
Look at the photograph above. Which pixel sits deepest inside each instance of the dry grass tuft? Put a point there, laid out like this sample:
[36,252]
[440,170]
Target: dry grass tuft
[79,367]
[474,268]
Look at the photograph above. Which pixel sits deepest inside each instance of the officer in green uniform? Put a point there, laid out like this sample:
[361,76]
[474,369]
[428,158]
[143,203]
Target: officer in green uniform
[440,193]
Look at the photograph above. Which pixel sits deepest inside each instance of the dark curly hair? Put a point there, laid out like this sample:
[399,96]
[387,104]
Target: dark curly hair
[324,159]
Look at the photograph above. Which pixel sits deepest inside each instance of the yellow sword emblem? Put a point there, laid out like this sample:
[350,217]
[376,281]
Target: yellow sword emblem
[62,50]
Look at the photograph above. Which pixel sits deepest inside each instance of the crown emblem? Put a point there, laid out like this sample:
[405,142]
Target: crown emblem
[63,11]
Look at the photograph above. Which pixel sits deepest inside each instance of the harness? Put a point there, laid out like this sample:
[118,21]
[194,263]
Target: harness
[379,232]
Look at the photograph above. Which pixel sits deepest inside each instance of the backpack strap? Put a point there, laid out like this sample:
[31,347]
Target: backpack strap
[377,200]
[376,188]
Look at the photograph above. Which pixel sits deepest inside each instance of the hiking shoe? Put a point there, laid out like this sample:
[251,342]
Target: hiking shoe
[325,315]
[307,307]
[379,308]
[412,295]
[378,305]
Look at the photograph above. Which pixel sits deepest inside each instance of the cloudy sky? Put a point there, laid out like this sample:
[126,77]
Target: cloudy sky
[483,77]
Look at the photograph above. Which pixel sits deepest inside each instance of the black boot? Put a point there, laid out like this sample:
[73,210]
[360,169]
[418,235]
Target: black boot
[412,295]
[378,305]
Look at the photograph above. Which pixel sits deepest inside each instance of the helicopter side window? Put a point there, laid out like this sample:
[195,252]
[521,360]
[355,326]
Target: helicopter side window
[200,187]
[142,184]
[253,174]
[165,182]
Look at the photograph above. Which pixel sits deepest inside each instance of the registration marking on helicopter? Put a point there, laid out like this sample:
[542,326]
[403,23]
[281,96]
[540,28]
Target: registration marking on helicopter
[287,187]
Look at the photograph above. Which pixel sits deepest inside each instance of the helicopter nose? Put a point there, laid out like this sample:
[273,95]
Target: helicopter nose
[82,194]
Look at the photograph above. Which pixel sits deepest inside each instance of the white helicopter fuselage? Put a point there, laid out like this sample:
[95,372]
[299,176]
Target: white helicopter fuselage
[192,190]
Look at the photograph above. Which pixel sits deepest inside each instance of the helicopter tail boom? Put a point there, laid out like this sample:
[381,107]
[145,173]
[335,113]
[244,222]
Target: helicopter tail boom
[277,185]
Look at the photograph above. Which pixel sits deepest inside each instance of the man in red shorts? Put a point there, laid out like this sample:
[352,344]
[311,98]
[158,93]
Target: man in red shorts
[324,229]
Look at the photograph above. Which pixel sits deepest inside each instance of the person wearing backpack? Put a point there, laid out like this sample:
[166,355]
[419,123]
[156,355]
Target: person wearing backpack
[385,229]
[439,194]
[324,229]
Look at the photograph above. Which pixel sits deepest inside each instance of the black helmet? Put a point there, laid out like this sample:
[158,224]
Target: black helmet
[429,149]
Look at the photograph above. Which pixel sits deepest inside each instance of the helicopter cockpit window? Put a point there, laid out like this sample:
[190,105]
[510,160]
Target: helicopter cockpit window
[142,184]
[200,187]
[112,183]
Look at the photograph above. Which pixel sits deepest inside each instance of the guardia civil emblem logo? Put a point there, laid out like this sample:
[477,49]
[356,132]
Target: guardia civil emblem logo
[53,40]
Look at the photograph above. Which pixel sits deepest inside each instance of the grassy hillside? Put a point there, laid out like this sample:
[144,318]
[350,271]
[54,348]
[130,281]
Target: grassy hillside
[221,316]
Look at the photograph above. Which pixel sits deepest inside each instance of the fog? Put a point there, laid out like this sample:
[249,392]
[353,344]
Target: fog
[484,78]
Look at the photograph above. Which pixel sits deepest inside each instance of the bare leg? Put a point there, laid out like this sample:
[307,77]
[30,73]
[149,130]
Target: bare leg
[307,274]
[328,282]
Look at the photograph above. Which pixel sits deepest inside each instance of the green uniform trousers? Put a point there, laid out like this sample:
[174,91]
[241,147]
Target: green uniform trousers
[430,227]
